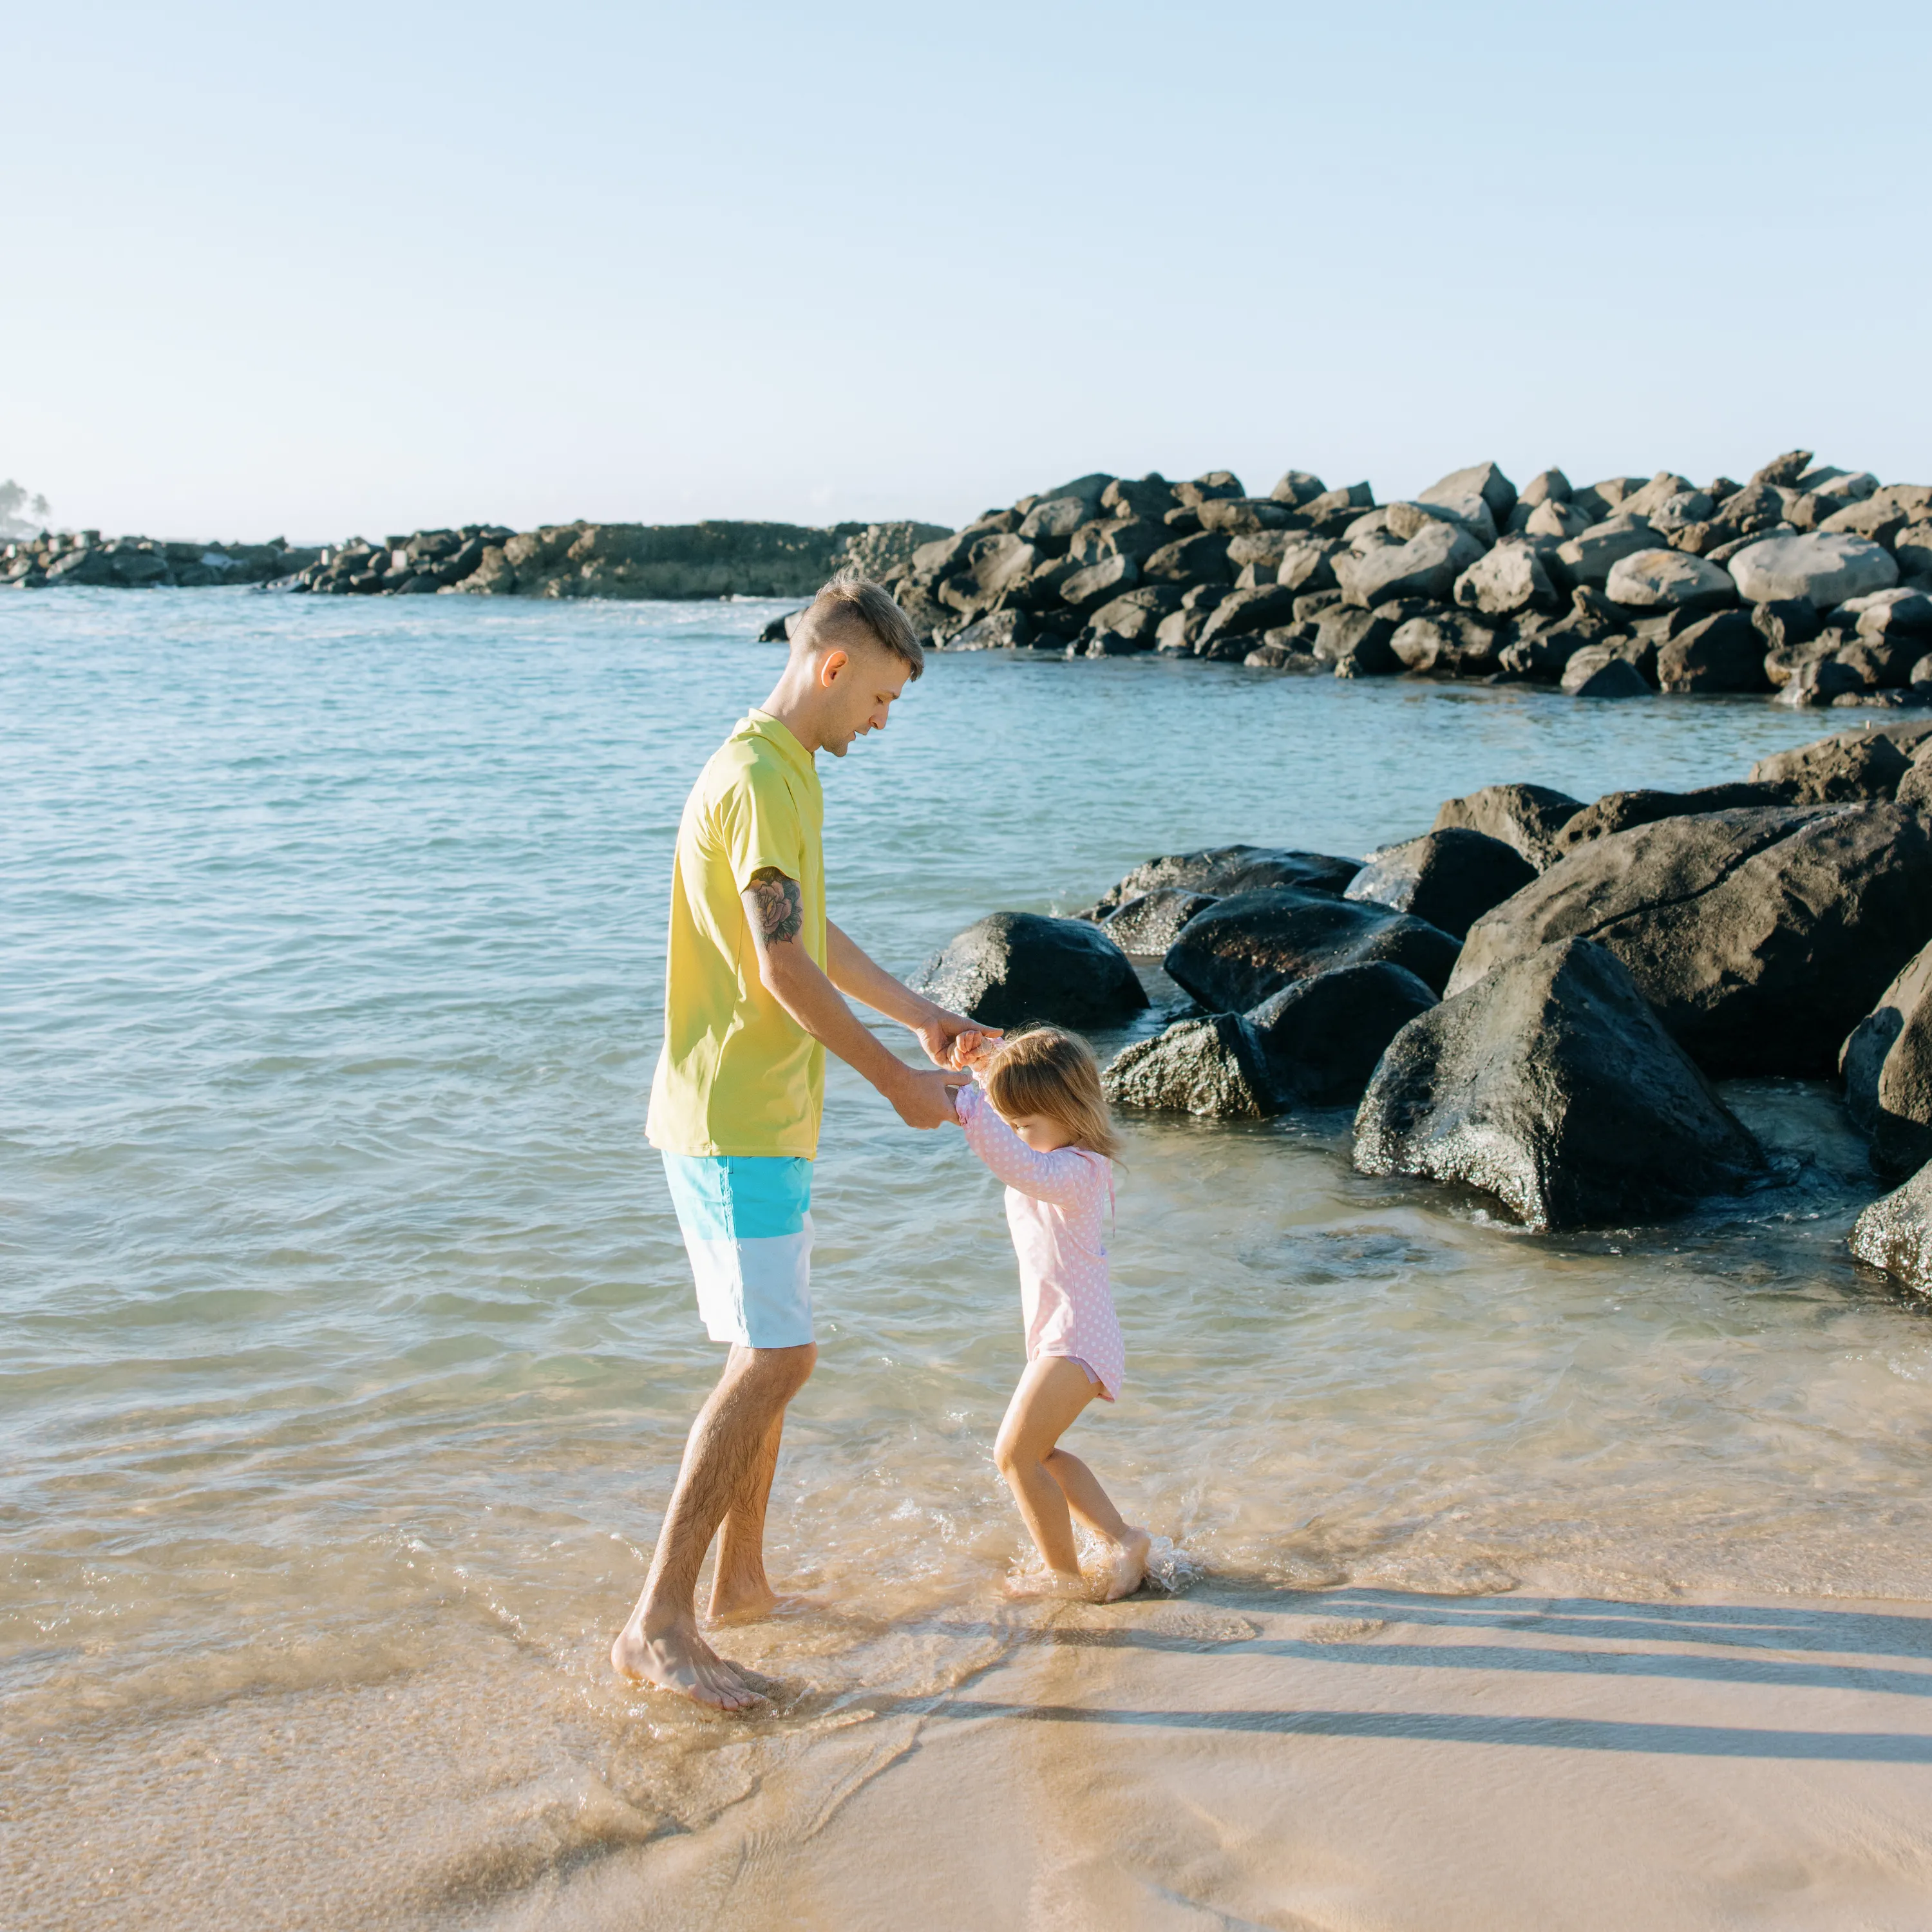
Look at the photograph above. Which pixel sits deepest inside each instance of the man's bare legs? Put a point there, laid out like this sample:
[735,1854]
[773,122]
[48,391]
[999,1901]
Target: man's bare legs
[1051,1485]
[739,1590]
[728,1461]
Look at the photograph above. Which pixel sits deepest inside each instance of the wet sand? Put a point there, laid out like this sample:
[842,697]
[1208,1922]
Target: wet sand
[1352,1759]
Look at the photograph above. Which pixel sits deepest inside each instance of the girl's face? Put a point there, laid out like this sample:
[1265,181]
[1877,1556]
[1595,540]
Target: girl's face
[1041,1131]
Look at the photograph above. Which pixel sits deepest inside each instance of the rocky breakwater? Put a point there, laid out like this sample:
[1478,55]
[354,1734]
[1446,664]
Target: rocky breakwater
[621,560]
[144,563]
[1533,998]
[1811,581]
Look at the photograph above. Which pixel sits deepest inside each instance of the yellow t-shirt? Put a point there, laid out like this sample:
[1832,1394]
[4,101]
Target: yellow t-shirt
[737,1074]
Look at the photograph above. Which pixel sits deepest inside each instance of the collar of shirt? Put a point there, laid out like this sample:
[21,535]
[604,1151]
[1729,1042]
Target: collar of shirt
[776,734]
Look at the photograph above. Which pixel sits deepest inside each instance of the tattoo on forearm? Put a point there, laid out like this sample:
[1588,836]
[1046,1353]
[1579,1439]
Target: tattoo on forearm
[779,905]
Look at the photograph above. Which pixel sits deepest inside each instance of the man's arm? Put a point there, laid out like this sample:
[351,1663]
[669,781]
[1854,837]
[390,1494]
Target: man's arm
[853,972]
[773,905]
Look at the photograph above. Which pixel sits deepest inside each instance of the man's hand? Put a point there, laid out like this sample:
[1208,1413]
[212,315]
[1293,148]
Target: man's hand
[925,1100]
[938,1030]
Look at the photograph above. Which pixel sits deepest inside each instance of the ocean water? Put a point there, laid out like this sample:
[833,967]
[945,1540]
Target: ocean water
[350,1341]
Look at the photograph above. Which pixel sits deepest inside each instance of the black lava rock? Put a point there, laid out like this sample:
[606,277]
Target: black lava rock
[1150,923]
[1212,1067]
[1322,1038]
[1234,955]
[1887,1066]
[1221,870]
[1013,966]
[1895,1234]
[1550,1084]
[1451,878]
[1761,936]
[1527,817]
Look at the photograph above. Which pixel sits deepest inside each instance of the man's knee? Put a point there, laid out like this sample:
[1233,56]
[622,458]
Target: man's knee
[777,1374]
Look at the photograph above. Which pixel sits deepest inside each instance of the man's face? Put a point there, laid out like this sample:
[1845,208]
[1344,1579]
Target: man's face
[860,683]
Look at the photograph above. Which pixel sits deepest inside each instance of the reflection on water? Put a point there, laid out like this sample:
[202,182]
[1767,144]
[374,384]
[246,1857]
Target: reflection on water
[351,1345]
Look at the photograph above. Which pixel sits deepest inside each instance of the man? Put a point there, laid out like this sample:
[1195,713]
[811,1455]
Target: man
[751,1003]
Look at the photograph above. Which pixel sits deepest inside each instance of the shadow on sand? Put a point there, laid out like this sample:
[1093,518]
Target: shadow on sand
[1708,1640]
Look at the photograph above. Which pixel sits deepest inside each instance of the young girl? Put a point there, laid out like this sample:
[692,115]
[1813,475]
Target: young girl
[1036,1117]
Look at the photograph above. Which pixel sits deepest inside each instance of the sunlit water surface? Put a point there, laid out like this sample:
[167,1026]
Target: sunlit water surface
[350,1341]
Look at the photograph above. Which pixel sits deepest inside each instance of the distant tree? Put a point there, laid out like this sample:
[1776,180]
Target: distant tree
[14,498]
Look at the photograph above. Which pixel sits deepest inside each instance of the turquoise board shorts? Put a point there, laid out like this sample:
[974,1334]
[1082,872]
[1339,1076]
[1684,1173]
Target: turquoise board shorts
[746,1220]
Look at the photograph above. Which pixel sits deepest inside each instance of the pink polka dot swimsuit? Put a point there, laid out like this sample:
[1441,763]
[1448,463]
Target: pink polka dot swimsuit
[1057,1205]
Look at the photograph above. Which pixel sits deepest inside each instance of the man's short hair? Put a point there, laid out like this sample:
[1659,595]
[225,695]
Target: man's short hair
[850,601]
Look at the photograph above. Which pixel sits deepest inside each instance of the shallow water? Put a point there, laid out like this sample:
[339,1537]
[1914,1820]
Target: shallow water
[351,1342]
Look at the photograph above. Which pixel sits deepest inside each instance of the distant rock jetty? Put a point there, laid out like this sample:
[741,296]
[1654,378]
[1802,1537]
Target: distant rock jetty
[144,563]
[1811,581]
[1531,998]
[579,559]
[586,559]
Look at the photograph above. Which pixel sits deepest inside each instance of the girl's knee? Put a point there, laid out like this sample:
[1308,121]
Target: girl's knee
[1008,1455]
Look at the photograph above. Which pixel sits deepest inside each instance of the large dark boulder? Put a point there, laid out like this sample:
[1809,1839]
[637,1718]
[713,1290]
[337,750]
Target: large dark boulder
[1200,559]
[1761,936]
[1451,878]
[1887,1066]
[1222,870]
[1356,642]
[1527,817]
[1212,1067]
[1724,652]
[1233,955]
[1914,789]
[1550,1084]
[1848,765]
[1013,966]
[1510,580]
[1446,643]
[1620,811]
[1243,516]
[1308,564]
[1895,1234]
[1149,923]
[1426,565]
[1229,634]
[1602,670]
[1321,1038]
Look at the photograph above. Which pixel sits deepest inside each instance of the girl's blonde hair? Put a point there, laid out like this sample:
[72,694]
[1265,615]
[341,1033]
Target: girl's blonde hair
[1048,1070]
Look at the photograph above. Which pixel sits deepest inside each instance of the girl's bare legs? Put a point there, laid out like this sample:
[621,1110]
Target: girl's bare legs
[1048,1482]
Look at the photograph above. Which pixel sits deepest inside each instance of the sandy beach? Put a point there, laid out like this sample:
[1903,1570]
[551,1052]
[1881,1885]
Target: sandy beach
[1348,1760]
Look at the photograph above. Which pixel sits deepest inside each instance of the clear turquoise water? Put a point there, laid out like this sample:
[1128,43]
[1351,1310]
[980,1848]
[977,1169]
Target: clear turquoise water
[350,1343]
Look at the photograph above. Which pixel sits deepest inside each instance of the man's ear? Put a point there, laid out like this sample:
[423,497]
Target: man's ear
[830,665]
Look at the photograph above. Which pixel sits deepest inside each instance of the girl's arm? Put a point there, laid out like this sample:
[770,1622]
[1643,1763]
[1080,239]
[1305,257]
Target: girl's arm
[1059,1178]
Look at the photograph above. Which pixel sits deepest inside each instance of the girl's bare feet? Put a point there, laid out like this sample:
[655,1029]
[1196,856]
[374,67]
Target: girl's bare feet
[1127,1571]
[680,1661]
[1051,1583]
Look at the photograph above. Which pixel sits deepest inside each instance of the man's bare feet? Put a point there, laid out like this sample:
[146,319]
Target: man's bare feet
[680,1661]
[1127,1571]
[756,1609]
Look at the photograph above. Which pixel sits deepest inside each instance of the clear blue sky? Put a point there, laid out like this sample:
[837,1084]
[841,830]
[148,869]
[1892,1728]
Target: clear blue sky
[362,267]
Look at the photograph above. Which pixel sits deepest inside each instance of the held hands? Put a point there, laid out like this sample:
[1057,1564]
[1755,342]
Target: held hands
[939,1031]
[973,1049]
[953,1042]
[925,1100]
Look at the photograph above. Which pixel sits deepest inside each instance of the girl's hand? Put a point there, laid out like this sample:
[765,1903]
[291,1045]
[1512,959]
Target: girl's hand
[939,1030]
[972,1050]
